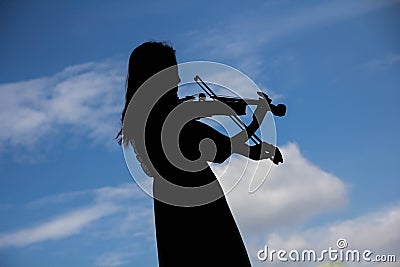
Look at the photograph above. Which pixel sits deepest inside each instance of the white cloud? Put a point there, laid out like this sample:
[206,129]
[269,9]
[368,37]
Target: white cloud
[57,228]
[293,191]
[108,194]
[113,259]
[376,231]
[87,97]
[381,63]
[292,194]
[130,210]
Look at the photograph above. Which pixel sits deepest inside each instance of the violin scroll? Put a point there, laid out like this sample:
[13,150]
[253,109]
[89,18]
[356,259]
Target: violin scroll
[278,110]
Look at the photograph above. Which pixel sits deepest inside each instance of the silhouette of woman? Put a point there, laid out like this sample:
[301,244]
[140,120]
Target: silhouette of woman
[202,235]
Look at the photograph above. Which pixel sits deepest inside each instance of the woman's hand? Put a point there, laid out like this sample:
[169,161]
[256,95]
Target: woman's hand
[266,151]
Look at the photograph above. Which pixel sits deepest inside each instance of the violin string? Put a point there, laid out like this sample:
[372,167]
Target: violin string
[203,86]
[235,118]
[256,140]
[209,89]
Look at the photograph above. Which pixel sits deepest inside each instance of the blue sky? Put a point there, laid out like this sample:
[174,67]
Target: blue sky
[66,192]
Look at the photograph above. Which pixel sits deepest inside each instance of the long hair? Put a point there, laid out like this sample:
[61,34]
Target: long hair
[145,60]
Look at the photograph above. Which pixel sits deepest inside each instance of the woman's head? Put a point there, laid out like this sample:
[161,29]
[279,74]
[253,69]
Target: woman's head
[146,60]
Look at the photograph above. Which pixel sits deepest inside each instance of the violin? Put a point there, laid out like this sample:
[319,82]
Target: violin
[237,104]
[234,107]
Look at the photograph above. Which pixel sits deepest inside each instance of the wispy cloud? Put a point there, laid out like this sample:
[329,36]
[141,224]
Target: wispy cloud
[57,199]
[84,97]
[126,203]
[114,259]
[57,228]
[243,40]
[387,61]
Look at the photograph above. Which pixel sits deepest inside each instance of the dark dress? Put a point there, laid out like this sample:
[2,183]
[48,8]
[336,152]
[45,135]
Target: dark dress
[204,235]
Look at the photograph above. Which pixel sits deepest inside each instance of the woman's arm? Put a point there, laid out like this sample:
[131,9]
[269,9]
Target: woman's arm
[225,147]
[241,138]
[261,151]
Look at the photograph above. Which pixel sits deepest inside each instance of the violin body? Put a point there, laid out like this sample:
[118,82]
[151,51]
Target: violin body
[216,106]
[230,106]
